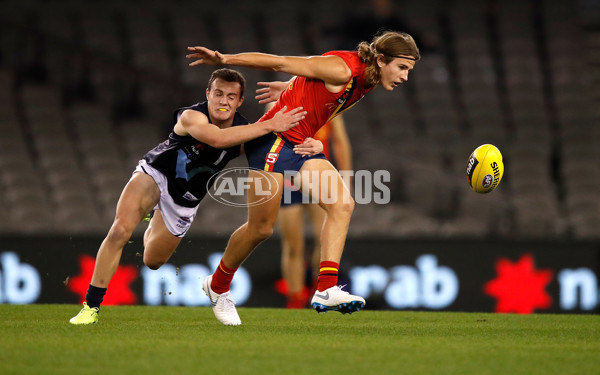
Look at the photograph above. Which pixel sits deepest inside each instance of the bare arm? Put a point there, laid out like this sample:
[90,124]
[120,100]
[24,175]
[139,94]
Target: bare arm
[341,148]
[330,69]
[196,124]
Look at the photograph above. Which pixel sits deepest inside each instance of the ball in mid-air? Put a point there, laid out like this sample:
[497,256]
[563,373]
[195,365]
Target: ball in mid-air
[485,169]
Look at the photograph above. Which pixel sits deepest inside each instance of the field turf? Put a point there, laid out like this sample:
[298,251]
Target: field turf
[37,339]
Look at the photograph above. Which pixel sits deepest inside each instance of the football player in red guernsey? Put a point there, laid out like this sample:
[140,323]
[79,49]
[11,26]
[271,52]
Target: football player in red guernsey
[325,86]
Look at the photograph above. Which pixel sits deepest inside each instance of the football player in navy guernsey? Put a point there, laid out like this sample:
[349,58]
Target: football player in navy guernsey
[172,178]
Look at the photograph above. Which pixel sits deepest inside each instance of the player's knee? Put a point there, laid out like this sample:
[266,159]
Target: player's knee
[343,207]
[153,263]
[146,238]
[264,232]
[349,205]
[261,231]
[119,233]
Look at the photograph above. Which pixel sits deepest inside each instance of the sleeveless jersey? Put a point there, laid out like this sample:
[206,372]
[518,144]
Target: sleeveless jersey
[321,104]
[188,163]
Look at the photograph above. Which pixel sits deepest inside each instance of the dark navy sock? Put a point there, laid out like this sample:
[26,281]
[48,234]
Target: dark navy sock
[95,296]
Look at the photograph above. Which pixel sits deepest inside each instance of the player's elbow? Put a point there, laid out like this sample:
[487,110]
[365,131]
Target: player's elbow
[282,64]
[218,142]
[279,68]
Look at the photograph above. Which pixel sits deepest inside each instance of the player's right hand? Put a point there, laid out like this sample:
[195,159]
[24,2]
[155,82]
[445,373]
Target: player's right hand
[205,56]
[283,120]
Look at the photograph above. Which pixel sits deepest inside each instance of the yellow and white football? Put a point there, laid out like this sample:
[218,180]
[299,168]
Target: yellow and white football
[485,169]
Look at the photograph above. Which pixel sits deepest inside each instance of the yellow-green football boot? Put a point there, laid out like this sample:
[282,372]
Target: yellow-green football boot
[87,315]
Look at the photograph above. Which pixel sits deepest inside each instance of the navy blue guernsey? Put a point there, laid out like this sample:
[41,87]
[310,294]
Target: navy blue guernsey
[188,163]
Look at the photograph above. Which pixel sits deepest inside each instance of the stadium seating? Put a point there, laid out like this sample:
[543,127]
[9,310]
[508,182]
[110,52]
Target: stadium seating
[87,89]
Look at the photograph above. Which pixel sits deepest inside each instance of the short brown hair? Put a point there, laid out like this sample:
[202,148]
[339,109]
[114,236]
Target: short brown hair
[228,75]
[390,44]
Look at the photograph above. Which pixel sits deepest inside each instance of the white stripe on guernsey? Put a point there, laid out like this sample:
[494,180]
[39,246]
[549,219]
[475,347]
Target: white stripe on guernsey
[220,157]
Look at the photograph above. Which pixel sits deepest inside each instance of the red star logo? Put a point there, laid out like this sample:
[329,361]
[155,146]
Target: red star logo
[119,291]
[519,287]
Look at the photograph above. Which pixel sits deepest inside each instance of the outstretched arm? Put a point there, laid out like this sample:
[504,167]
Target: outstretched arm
[330,69]
[196,124]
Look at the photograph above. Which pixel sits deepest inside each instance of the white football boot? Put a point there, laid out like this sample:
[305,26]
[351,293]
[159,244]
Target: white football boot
[222,304]
[335,299]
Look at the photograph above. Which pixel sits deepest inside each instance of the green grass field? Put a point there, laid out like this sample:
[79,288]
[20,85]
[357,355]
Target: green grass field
[37,339]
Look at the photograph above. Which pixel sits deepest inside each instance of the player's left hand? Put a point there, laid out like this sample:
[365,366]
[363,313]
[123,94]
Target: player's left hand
[309,147]
[205,56]
[270,92]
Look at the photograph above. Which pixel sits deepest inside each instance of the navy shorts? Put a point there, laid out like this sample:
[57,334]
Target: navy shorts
[292,197]
[273,153]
